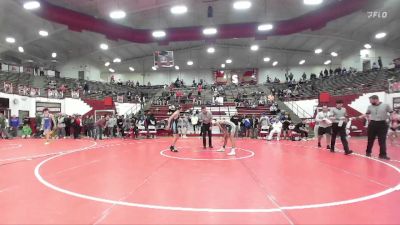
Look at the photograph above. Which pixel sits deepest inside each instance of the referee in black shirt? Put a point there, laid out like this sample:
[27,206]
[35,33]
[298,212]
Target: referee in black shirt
[377,113]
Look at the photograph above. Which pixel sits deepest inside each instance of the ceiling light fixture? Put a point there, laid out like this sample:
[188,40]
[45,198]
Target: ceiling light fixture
[31,5]
[312,2]
[159,34]
[10,40]
[367,46]
[380,35]
[241,5]
[265,27]
[104,46]
[111,70]
[318,51]
[210,31]
[117,60]
[211,50]
[334,54]
[21,49]
[179,9]
[177,67]
[117,14]
[154,68]
[222,65]
[107,64]
[267,59]
[254,47]
[327,62]
[229,61]
[54,55]
[302,62]
[275,63]
[43,33]
[190,63]
[131,68]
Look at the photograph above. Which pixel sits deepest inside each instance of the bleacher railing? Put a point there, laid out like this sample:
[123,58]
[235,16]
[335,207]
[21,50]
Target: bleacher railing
[300,112]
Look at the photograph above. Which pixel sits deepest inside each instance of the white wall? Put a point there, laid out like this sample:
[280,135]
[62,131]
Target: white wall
[297,71]
[162,77]
[71,69]
[387,55]
[127,108]
[307,105]
[361,104]
[69,106]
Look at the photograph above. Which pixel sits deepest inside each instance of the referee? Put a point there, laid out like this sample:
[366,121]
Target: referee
[205,118]
[338,117]
[377,113]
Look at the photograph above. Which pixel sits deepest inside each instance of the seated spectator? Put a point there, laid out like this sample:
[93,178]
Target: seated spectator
[375,66]
[276,129]
[273,109]
[301,129]
[26,131]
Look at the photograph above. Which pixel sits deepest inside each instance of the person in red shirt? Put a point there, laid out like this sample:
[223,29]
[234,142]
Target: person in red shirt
[199,89]
[77,126]
[99,127]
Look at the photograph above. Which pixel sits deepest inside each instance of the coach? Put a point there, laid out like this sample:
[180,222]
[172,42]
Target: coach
[205,118]
[377,113]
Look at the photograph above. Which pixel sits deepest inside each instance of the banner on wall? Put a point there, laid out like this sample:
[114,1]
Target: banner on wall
[13,69]
[237,76]
[396,103]
[164,59]
[51,73]
[52,106]
[396,63]
[4,67]
[28,70]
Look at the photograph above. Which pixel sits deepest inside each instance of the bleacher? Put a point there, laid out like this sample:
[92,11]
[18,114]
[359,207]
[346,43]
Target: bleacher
[338,85]
[98,90]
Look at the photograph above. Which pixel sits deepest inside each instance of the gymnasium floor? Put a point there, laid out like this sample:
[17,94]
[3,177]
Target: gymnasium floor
[139,182]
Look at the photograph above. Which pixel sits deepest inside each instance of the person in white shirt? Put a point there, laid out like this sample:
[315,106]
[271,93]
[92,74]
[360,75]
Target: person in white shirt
[184,124]
[324,126]
[195,120]
[276,129]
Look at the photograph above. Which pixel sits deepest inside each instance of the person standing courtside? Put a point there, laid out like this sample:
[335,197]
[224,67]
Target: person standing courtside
[338,117]
[324,126]
[205,118]
[377,113]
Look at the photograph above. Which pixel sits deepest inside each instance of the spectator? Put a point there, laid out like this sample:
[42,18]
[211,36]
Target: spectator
[380,62]
[273,109]
[291,76]
[326,73]
[61,126]
[68,125]
[86,88]
[100,124]
[14,124]
[77,126]
[375,66]
[236,119]
[195,120]
[3,126]
[302,130]
[276,129]
[26,131]
[304,76]
[199,89]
